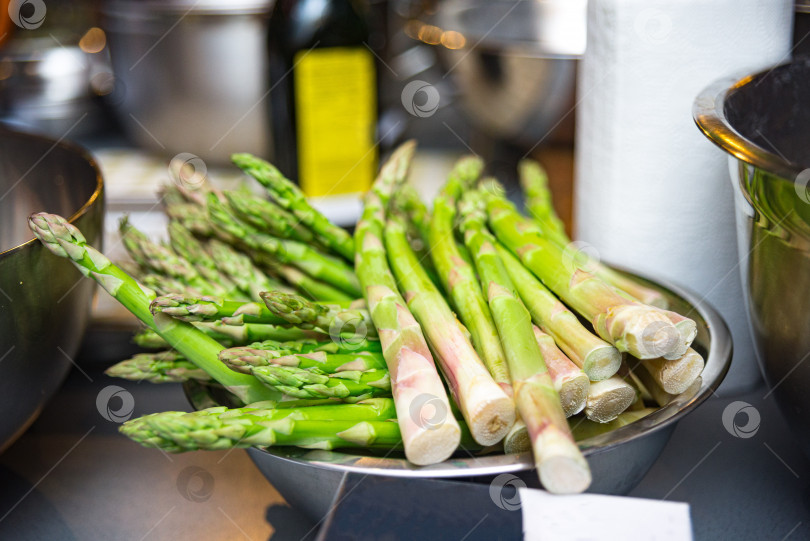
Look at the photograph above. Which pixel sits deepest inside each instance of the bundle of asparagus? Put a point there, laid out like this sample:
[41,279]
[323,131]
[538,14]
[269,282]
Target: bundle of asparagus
[259,296]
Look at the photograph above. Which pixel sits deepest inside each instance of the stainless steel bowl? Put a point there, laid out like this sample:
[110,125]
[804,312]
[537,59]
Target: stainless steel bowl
[308,479]
[763,122]
[191,76]
[44,300]
[515,72]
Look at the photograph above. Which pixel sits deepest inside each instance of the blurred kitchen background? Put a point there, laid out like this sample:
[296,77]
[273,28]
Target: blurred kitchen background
[161,89]
[191,77]
[141,82]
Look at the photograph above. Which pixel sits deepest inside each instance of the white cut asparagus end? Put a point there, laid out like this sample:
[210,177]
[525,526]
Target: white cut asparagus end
[574,393]
[608,398]
[561,467]
[642,331]
[430,433]
[432,446]
[494,414]
[677,375]
[602,362]
[517,439]
[687,329]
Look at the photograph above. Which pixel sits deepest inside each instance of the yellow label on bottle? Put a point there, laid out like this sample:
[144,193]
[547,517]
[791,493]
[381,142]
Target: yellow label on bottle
[335,111]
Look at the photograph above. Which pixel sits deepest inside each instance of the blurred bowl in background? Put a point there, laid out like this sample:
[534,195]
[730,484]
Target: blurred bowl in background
[513,64]
[191,76]
[763,122]
[44,300]
[47,88]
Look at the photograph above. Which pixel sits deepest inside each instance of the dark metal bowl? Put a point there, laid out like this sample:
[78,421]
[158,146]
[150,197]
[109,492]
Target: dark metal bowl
[309,479]
[44,300]
[763,122]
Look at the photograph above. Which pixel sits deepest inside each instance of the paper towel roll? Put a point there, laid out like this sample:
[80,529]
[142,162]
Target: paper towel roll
[651,192]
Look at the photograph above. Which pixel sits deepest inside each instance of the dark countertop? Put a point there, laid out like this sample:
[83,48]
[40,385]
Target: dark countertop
[71,476]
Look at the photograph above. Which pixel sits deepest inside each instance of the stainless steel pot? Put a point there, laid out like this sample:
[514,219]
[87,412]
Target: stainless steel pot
[191,76]
[309,480]
[44,300]
[763,122]
[46,87]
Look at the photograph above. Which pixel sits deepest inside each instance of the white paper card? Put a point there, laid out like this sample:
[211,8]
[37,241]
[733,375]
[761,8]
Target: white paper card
[593,517]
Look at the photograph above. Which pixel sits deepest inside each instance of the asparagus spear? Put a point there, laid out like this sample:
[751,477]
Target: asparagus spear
[311,345]
[193,251]
[166,285]
[409,203]
[170,196]
[560,465]
[191,216]
[65,240]
[317,427]
[242,359]
[210,308]
[488,410]
[633,327]
[458,276]
[311,287]
[598,359]
[323,267]
[570,382]
[312,383]
[288,196]
[149,339]
[241,270]
[268,217]
[534,180]
[162,367]
[415,383]
[161,260]
[257,332]
[280,309]
[331,319]
[406,201]
[242,335]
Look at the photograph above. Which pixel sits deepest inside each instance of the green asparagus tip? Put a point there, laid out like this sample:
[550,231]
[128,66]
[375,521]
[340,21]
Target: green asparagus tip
[57,234]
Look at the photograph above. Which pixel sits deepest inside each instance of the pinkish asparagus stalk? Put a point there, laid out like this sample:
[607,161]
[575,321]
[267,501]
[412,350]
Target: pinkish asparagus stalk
[598,359]
[569,380]
[488,410]
[633,327]
[428,436]
[560,464]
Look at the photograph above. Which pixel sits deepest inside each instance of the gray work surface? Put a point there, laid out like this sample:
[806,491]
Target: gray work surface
[71,476]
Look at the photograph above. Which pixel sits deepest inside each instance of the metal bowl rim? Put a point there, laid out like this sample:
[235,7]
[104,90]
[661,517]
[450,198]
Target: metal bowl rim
[709,115]
[75,149]
[719,358]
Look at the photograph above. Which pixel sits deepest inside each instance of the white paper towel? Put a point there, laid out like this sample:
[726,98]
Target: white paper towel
[651,192]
